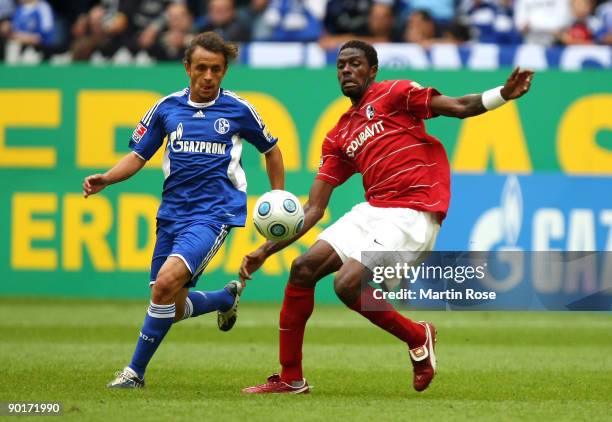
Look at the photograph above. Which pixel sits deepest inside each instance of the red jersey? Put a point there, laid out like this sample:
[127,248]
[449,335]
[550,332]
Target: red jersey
[384,139]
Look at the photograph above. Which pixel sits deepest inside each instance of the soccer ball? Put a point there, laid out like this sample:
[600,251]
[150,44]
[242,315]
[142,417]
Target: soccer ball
[278,215]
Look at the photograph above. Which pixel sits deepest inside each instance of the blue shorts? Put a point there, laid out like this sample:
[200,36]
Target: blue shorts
[195,243]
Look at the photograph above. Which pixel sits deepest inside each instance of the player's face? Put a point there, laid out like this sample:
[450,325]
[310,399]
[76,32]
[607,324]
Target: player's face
[354,73]
[206,71]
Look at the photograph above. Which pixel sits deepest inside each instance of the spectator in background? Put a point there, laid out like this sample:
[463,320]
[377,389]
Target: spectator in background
[113,24]
[454,33]
[103,28]
[441,11]
[222,18]
[255,13]
[380,22]
[175,36]
[604,13]
[66,14]
[32,24]
[7,7]
[541,20]
[146,19]
[289,20]
[420,28]
[492,21]
[584,26]
[347,17]
[504,27]
[379,28]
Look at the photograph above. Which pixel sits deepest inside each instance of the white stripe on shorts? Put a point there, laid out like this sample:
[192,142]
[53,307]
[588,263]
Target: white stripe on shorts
[211,253]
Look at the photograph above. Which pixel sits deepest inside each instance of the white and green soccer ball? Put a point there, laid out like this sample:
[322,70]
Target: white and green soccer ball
[278,215]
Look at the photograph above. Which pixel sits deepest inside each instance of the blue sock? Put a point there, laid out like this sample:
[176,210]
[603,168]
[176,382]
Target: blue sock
[156,324]
[198,303]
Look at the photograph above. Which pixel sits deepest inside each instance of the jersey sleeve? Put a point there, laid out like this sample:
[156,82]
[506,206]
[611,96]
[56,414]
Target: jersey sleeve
[415,99]
[254,130]
[149,133]
[334,168]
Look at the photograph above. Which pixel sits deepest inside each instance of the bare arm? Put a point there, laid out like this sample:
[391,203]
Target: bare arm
[275,168]
[318,198]
[28,38]
[516,86]
[124,169]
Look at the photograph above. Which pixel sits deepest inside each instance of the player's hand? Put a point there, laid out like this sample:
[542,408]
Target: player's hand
[518,83]
[250,264]
[94,184]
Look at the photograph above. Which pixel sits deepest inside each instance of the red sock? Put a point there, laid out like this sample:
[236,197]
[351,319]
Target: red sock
[381,313]
[297,307]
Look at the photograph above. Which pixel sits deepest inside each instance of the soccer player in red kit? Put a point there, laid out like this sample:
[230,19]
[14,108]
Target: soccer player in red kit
[406,177]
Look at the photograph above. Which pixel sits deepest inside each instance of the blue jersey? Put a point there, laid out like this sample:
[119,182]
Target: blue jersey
[36,18]
[204,179]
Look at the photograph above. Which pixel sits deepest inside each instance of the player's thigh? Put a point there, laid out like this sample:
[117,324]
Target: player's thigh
[347,234]
[399,230]
[164,242]
[196,245]
[320,260]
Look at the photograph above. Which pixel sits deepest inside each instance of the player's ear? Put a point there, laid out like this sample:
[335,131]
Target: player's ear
[187,67]
[373,72]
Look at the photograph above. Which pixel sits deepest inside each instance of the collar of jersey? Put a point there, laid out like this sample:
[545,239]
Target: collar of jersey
[201,105]
[356,108]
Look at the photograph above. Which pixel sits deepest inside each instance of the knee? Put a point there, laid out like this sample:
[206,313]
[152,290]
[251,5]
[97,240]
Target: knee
[302,273]
[164,290]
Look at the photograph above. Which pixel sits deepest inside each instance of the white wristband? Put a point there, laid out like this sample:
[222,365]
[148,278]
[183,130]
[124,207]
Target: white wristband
[492,98]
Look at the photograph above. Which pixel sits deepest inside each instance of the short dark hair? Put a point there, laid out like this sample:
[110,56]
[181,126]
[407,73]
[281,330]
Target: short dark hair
[425,15]
[212,41]
[368,50]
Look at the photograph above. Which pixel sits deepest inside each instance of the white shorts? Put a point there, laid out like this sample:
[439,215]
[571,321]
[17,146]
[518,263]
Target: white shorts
[366,228]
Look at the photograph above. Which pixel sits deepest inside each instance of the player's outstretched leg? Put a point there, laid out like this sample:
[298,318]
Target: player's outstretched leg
[171,278]
[297,308]
[156,324]
[420,336]
[298,303]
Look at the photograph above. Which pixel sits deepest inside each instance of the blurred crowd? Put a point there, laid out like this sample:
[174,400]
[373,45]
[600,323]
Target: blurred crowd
[160,29]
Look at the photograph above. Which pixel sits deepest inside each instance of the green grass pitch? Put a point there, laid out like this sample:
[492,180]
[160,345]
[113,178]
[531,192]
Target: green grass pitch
[492,366]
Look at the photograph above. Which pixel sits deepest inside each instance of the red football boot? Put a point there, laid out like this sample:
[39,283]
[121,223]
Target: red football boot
[276,386]
[424,359]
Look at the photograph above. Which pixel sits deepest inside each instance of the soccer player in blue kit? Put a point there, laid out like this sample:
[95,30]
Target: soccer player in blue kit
[204,192]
